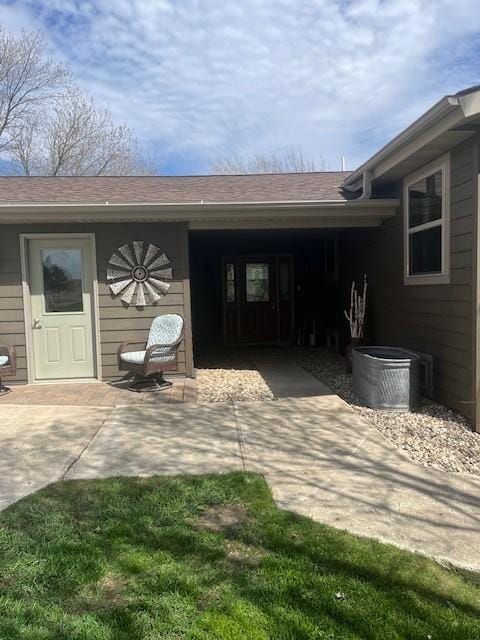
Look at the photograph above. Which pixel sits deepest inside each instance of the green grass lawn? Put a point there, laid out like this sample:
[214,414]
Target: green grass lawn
[210,557]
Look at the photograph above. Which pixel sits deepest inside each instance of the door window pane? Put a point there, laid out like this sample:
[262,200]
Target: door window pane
[425,200]
[257,277]
[230,282]
[426,251]
[62,280]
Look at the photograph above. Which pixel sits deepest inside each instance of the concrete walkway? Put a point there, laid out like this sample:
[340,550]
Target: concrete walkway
[285,377]
[320,458]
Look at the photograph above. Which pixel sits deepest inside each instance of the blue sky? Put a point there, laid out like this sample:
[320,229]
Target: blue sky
[197,79]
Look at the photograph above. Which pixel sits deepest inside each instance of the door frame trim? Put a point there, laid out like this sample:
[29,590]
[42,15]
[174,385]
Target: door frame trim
[27,306]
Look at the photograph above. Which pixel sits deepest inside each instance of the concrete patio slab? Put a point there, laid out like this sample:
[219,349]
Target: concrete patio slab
[309,433]
[163,440]
[38,445]
[284,377]
[108,394]
[423,510]
[321,459]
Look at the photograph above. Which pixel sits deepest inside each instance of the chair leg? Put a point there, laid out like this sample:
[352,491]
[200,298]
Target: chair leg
[3,388]
[153,383]
[161,382]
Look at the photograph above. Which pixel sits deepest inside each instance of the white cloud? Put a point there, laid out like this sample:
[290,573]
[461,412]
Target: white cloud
[196,78]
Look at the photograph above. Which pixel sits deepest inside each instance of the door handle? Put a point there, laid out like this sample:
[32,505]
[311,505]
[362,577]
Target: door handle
[36,323]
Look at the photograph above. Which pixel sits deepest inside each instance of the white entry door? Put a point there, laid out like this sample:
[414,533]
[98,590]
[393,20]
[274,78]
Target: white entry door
[61,289]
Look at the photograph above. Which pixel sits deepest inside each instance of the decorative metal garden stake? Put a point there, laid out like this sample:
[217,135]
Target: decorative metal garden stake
[356,318]
[356,315]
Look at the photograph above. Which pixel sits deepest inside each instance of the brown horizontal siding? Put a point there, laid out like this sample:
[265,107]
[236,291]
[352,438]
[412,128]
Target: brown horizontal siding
[10,304]
[457,209]
[9,328]
[11,315]
[430,321]
[118,323]
[134,325]
[461,174]
[460,192]
[12,328]
[435,319]
[13,290]
[462,225]
[459,309]
[113,312]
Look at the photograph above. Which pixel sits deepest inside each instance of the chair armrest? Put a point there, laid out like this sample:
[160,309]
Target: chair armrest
[122,348]
[11,353]
[152,348]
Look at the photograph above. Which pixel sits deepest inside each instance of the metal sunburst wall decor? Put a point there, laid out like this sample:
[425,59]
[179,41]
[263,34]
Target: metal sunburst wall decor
[138,272]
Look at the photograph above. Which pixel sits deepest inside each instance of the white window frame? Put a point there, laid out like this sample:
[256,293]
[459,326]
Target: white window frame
[443,277]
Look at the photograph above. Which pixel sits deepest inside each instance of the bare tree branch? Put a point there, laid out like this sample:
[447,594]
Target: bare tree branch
[23,148]
[76,139]
[27,80]
[290,160]
[48,126]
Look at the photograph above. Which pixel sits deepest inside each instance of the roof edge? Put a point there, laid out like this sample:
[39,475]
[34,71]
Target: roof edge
[189,212]
[228,205]
[181,176]
[463,104]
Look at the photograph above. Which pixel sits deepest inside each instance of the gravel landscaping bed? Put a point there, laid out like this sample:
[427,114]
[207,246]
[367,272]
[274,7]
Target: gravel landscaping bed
[434,436]
[231,376]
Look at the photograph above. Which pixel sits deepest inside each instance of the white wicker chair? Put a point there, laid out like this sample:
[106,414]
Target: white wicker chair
[160,354]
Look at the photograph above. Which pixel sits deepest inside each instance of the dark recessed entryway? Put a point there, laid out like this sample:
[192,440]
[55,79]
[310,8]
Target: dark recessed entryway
[265,287]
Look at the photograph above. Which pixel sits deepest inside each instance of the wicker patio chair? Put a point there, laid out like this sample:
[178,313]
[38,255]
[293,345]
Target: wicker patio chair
[8,365]
[160,354]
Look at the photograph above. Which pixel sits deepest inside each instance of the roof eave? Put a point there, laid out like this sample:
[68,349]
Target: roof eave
[448,112]
[193,206]
[191,211]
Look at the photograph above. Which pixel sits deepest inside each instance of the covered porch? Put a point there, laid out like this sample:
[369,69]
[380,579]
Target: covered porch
[268,287]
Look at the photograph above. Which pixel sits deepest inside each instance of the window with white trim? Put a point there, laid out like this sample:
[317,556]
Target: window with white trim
[427,232]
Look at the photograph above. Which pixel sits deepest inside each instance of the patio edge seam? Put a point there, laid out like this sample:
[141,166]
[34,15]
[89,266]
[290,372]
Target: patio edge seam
[63,475]
[239,436]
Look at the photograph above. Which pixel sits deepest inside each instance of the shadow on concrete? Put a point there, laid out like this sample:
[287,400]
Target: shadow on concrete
[320,458]
[284,377]
[130,543]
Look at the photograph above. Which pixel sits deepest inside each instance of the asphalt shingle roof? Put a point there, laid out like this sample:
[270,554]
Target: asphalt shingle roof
[279,187]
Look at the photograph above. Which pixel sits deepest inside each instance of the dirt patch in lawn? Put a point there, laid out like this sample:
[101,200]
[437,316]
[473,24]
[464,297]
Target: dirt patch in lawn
[106,593]
[221,517]
[241,554]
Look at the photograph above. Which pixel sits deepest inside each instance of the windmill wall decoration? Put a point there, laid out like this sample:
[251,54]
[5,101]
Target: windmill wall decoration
[138,272]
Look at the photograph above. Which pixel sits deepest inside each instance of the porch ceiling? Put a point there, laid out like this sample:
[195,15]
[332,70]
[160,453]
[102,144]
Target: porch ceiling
[207,215]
